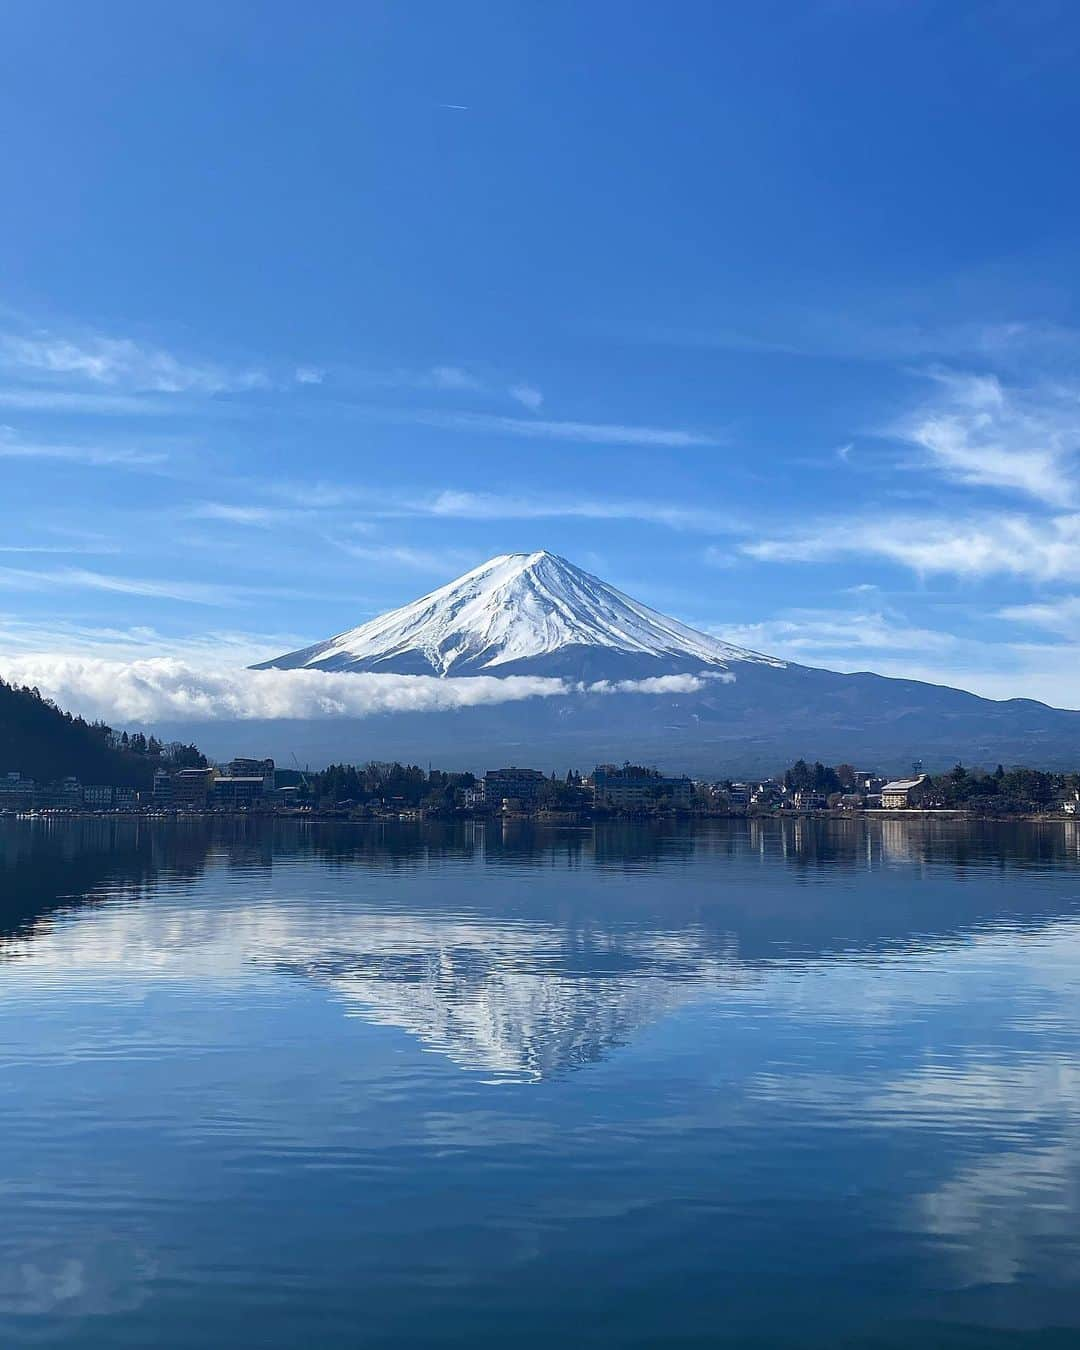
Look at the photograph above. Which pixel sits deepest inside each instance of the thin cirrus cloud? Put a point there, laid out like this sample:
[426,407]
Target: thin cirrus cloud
[891,645]
[1036,548]
[205,647]
[59,548]
[119,363]
[453,378]
[527,395]
[153,588]
[86,401]
[463,505]
[96,456]
[980,432]
[808,634]
[77,578]
[1060,616]
[832,335]
[590,433]
[457,380]
[402,556]
[240,513]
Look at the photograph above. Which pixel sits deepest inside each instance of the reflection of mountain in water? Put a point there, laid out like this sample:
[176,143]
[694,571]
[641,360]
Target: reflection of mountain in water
[523,1000]
[517,951]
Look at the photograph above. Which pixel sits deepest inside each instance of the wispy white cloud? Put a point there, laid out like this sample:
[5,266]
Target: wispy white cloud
[810,635]
[456,504]
[1061,615]
[316,496]
[237,513]
[466,504]
[413,559]
[1048,672]
[527,395]
[454,378]
[70,549]
[309,375]
[890,644]
[119,363]
[77,578]
[829,334]
[86,401]
[980,432]
[99,456]
[1040,548]
[589,433]
[155,588]
[50,639]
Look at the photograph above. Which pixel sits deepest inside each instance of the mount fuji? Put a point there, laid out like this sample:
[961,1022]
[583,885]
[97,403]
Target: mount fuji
[522,614]
[733,711]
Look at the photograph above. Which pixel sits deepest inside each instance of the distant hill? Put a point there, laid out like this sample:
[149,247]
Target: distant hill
[40,741]
[757,725]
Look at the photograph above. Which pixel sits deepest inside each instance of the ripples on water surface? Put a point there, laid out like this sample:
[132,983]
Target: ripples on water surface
[802,1084]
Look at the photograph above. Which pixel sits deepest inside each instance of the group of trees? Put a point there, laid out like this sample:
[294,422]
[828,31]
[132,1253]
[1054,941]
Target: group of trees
[1007,790]
[1002,791]
[410,786]
[821,778]
[40,741]
[375,782]
[562,794]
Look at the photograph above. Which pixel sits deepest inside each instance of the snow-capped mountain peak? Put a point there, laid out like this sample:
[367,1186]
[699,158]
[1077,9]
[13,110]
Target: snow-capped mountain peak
[522,613]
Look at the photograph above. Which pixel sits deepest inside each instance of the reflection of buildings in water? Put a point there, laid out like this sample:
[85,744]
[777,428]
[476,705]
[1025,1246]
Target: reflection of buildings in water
[898,841]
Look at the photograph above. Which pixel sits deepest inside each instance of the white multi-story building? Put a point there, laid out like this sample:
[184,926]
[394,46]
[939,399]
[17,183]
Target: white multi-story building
[896,796]
[633,785]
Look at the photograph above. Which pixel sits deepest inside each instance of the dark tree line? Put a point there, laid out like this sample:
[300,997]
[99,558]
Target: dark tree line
[1003,791]
[821,778]
[410,786]
[40,741]
[407,784]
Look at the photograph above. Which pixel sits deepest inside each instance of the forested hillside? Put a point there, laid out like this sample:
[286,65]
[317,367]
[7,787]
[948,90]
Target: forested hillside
[40,741]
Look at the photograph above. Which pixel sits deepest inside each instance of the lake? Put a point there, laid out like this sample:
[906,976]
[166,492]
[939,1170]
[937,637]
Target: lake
[804,1083]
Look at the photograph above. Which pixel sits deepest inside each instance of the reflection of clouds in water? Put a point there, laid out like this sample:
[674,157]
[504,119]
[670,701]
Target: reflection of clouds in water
[1008,1210]
[1010,1216]
[102,1274]
[520,999]
[527,997]
[1001,1215]
[886,1059]
[997,1096]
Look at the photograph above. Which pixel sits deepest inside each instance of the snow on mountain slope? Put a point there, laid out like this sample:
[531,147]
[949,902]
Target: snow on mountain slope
[522,613]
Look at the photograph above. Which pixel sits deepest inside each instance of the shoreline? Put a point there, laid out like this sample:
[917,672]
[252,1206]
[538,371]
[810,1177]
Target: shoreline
[561,819]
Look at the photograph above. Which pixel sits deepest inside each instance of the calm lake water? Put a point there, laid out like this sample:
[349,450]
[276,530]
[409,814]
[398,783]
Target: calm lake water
[802,1084]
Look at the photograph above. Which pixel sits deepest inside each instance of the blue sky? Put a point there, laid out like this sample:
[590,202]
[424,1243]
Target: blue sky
[766,313]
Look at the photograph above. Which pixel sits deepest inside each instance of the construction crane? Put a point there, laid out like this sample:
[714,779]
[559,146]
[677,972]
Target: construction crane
[302,772]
